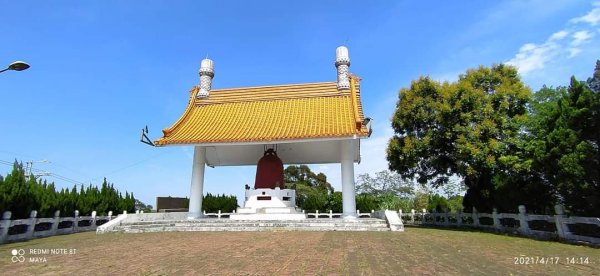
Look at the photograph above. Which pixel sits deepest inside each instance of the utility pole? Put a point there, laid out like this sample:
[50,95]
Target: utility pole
[29,168]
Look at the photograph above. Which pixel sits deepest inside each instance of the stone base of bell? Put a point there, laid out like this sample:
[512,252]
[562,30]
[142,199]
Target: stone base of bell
[268,213]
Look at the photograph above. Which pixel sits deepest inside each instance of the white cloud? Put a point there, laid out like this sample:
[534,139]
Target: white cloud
[559,35]
[374,151]
[532,57]
[581,37]
[574,52]
[592,17]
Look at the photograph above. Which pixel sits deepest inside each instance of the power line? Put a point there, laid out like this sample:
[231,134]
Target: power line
[137,163]
[55,175]
[73,181]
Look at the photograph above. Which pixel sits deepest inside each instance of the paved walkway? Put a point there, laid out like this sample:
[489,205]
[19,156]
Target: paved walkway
[416,251]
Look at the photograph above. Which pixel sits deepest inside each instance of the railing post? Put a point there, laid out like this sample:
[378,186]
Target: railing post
[55,222]
[523,222]
[31,226]
[496,218]
[219,214]
[475,217]
[109,215]
[434,214]
[76,222]
[330,214]
[5,224]
[316,214]
[559,219]
[400,215]
[93,220]
[412,216]
[459,218]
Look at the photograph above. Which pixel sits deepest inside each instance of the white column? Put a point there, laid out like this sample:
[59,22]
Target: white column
[348,193]
[195,210]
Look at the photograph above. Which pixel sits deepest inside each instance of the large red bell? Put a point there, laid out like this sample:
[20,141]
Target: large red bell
[269,172]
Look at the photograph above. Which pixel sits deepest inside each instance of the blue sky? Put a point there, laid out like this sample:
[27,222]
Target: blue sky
[102,70]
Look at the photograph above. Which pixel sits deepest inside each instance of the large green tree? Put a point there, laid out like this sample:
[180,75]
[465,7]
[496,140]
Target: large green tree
[384,182]
[563,144]
[470,128]
[302,174]
[313,192]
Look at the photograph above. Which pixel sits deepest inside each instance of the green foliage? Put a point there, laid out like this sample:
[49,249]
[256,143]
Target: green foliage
[142,206]
[510,148]
[335,202]
[365,203]
[315,201]
[455,203]
[389,201]
[563,144]
[420,201]
[313,192]
[21,195]
[438,203]
[594,82]
[224,203]
[212,203]
[466,128]
[303,175]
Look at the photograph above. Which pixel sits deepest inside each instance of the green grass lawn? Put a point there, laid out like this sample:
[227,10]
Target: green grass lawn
[419,251]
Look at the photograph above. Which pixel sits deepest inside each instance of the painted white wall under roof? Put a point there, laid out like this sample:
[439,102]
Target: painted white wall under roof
[318,151]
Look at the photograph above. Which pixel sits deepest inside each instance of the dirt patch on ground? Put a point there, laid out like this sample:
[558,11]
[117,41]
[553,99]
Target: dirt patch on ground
[416,251]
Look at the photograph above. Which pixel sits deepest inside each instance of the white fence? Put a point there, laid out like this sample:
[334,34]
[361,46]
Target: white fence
[332,215]
[316,214]
[579,229]
[44,227]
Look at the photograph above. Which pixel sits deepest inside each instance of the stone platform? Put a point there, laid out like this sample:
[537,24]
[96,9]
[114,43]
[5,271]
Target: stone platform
[210,224]
[268,213]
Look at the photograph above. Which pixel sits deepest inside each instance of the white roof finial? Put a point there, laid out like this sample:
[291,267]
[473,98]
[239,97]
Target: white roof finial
[342,63]
[341,55]
[207,72]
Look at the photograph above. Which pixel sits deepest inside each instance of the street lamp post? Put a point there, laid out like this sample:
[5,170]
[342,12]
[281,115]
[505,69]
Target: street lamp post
[16,66]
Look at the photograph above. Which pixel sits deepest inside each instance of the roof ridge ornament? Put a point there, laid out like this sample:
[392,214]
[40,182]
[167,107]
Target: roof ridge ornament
[342,63]
[207,72]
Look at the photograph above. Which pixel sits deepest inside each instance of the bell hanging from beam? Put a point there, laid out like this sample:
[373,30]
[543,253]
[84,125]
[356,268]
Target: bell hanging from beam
[269,171]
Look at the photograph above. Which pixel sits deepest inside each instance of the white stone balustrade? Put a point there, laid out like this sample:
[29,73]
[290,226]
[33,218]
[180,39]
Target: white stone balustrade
[559,220]
[54,229]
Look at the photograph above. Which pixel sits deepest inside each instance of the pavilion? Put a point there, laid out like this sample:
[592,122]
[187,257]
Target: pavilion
[310,123]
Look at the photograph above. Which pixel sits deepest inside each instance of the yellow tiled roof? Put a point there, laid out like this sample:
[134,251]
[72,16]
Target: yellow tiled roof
[269,113]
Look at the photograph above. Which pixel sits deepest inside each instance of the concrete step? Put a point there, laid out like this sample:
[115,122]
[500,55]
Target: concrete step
[228,221]
[249,225]
[246,228]
[254,225]
[204,228]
